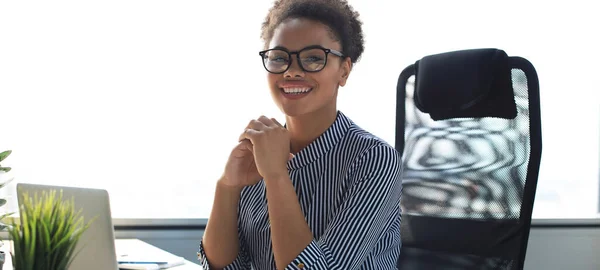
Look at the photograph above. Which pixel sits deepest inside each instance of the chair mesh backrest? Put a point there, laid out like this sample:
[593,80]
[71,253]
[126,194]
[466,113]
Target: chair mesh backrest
[468,168]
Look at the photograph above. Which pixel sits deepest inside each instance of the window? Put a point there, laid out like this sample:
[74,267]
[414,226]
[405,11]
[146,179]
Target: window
[146,99]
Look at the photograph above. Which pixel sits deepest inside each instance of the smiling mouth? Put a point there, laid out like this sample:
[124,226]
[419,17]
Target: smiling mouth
[296,90]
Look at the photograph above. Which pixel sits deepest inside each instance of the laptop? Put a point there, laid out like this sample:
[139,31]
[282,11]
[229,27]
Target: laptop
[96,245]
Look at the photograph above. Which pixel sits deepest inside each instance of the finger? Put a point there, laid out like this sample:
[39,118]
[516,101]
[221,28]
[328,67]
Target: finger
[242,136]
[256,124]
[253,124]
[266,121]
[251,134]
[291,156]
[276,122]
[245,136]
[248,145]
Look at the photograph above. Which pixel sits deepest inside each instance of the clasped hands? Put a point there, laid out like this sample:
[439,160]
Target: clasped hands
[262,152]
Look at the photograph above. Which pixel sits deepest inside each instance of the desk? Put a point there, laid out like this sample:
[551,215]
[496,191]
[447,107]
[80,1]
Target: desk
[120,244]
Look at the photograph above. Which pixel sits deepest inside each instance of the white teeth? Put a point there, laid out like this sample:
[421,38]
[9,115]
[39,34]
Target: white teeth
[296,90]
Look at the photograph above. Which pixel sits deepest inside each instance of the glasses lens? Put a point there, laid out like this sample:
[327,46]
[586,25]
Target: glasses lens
[276,60]
[313,59]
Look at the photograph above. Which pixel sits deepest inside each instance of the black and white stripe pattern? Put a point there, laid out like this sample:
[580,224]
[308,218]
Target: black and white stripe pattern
[349,186]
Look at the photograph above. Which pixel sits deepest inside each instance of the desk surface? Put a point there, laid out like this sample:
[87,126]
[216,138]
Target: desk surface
[120,244]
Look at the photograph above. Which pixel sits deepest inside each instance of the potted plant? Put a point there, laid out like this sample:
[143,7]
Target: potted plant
[48,234]
[5,179]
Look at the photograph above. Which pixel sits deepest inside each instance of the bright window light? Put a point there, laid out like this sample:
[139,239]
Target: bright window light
[147,98]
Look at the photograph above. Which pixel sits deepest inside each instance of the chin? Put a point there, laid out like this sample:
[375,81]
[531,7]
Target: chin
[292,112]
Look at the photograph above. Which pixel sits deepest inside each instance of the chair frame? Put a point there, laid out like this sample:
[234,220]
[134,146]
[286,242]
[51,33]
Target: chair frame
[535,143]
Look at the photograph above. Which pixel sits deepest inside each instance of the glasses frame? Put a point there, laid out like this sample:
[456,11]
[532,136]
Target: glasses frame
[297,53]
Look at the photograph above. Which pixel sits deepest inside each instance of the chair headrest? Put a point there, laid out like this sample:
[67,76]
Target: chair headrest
[465,84]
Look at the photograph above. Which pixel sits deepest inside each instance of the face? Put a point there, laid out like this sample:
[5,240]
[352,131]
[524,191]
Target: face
[297,92]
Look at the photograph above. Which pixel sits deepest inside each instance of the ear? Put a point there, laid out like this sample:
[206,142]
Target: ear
[345,70]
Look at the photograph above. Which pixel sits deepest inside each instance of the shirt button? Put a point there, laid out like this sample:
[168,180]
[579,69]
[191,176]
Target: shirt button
[300,265]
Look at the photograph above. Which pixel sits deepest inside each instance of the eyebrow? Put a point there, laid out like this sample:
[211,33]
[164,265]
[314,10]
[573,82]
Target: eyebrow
[287,50]
[279,48]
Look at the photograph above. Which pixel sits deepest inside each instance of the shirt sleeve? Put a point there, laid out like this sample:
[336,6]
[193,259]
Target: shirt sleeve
[240,262]
[369,208]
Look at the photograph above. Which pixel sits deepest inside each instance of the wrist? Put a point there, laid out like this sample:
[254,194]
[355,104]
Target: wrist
[277,176]
[224,184]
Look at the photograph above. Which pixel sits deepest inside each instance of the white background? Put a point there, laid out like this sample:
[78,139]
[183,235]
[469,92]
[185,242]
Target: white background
[146,98]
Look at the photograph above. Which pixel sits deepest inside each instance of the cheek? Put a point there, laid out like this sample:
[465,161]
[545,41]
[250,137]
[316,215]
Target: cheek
[272,80]
[329,81]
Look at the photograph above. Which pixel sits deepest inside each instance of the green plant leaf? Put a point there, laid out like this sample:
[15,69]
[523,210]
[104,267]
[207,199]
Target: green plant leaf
[48,235]
[7,182]
[5,215]
[5,154]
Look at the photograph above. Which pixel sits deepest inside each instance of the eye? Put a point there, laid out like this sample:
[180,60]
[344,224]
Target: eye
[278,59]
[313,58]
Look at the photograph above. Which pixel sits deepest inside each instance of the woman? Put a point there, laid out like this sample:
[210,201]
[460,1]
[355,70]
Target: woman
[319,192]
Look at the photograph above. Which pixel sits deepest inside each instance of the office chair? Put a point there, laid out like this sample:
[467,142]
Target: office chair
[468,127]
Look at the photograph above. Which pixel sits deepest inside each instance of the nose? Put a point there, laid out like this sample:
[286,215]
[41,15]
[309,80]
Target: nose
[295,70]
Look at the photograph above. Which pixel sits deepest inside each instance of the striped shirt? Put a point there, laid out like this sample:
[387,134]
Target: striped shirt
[348,183]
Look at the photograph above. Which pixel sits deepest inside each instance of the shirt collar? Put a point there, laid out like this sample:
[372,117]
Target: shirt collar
[322,144]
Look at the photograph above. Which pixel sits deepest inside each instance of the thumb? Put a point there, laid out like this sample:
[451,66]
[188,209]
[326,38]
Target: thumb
[248,145]
[291,156]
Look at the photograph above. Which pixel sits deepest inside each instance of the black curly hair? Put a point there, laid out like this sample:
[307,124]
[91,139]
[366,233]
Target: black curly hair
[338,15]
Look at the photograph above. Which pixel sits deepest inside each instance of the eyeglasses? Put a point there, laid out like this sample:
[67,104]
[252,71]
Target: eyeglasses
[311,59]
